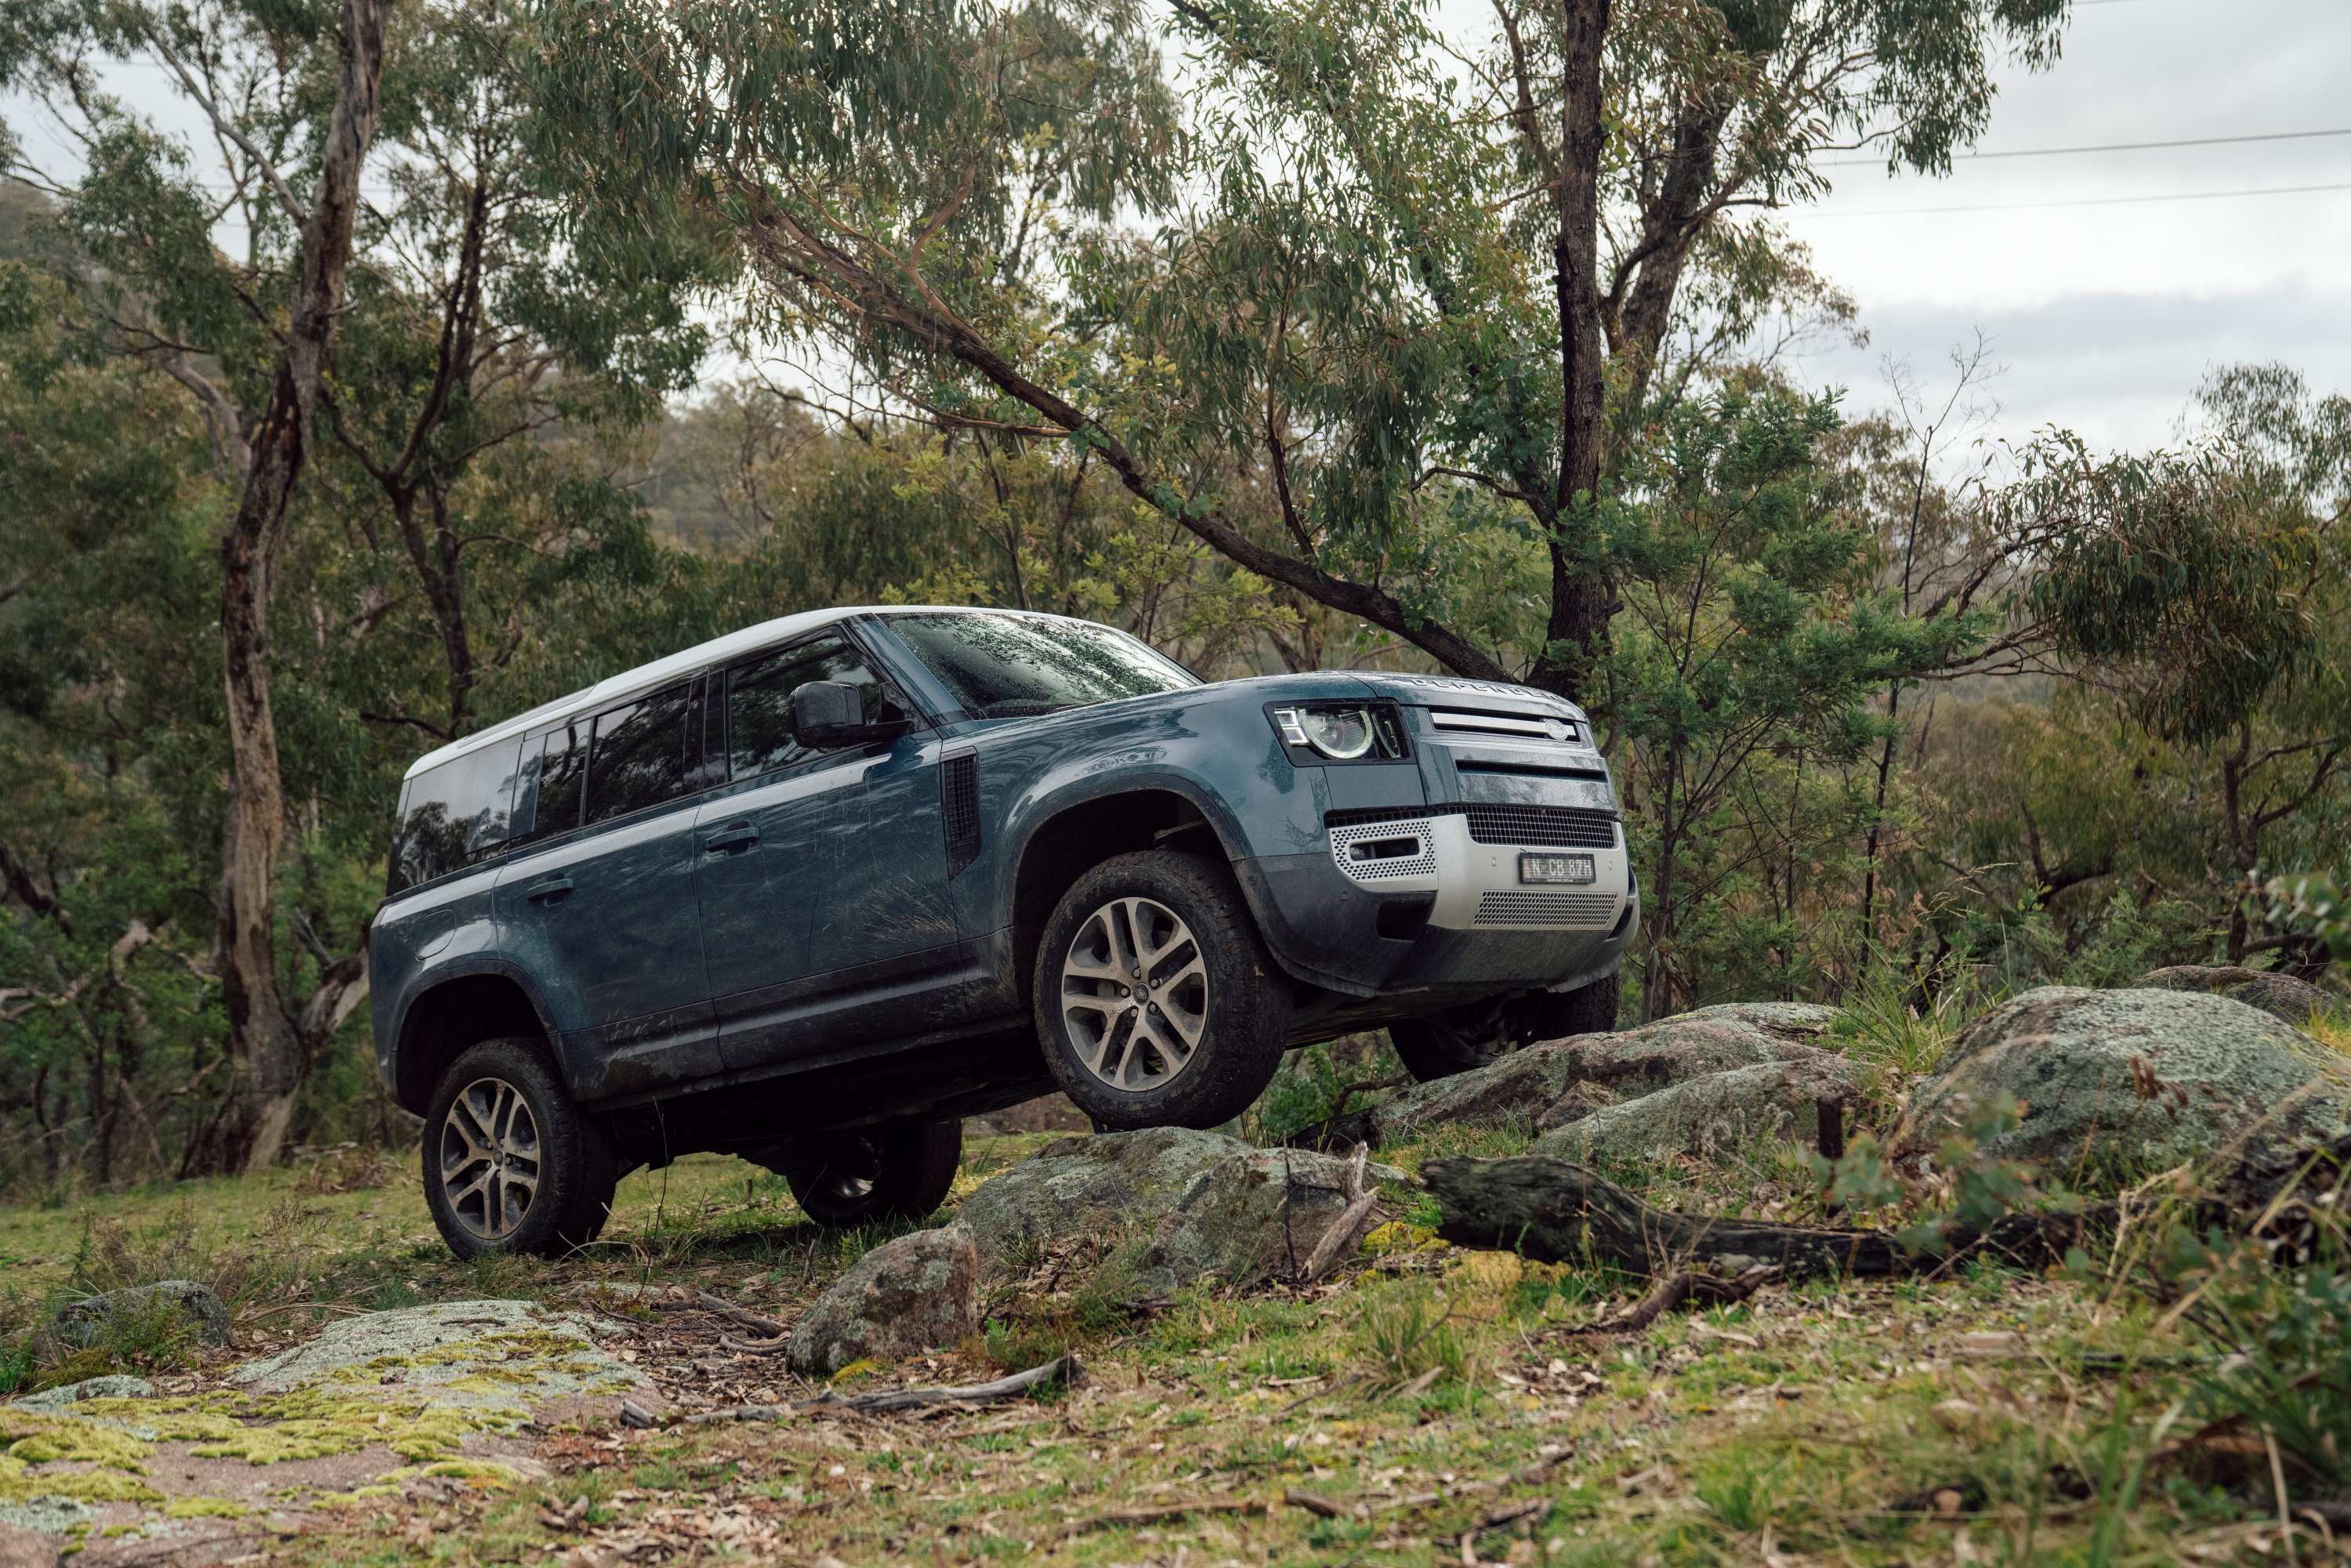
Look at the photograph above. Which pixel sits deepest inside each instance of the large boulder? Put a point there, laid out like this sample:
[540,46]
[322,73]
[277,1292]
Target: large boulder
[912,1294]
[2280,996]
[1711,1115]
[180,1306]
[1254,1217]
[2116,1083]
[1526,1085]
[1085,1188]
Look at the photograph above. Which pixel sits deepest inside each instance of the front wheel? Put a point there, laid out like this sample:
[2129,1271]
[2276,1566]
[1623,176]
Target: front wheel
[874,1173]
[1442,1044]
[510,1164]
[1157,1005]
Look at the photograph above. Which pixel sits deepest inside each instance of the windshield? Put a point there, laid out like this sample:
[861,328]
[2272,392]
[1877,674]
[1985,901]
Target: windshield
[999,666]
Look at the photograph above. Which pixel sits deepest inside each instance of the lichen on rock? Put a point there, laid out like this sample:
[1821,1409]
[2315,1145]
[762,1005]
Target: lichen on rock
[1085,1187]
[2120,1082]
[906,1296]
[1711,1115]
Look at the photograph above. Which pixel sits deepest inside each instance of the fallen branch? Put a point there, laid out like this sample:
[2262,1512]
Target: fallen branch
[1684,1288]
[882,1402]
[1348,1229]
[1154,1513]
[1557,1212]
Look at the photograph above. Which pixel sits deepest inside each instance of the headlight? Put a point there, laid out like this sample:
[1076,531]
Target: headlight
[1342,734]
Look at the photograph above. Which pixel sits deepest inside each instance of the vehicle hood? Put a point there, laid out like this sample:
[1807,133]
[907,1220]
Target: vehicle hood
[1457,691]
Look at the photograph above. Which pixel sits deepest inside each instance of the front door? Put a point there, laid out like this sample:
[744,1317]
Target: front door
[600,902]
[822,880]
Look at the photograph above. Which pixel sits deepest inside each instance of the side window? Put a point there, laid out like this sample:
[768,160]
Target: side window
[452,815]
[639,755]
[553,767]
[759,701]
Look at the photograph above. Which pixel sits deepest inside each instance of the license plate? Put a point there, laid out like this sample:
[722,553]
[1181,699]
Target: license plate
[1555,868]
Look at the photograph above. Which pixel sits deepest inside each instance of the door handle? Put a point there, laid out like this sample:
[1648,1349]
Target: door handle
[553,887]
[734,836]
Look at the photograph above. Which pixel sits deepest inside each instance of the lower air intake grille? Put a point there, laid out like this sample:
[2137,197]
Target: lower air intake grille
[1559,825]
[1570,909]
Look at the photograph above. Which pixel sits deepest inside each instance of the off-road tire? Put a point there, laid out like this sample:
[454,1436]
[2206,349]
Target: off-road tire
[841,1179]
[578,1167]
[1247,1004]
[1442,1044]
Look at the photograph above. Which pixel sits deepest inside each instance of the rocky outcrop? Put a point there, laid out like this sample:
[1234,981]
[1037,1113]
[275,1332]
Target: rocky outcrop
[1086,1188]
[2119,1082]
[916,1293]
[1528,1087]
[1710,1115]
[1200,1205]
[1257,1216]
[379,1401]
[2280,996]
[185,1306]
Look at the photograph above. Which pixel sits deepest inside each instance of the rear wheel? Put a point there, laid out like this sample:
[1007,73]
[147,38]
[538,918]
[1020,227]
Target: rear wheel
[874,1173]
[510,1164]
[1157,1005]
[1442,1044]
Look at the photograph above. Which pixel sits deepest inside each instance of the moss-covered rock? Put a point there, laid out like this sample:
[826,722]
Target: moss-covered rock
[1085,1188]
[1524,1086]
[906,1296]
[1711,1115]
[2118,1082]
[1254,1217]
[173,1306]
[2280,996]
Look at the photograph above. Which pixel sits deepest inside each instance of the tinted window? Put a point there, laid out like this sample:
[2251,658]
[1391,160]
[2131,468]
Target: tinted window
[639,757]
[759,701]
[999,666]
[553,768]
[452,815]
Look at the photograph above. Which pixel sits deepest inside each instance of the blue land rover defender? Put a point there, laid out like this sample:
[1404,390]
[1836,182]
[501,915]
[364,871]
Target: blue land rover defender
[813,892]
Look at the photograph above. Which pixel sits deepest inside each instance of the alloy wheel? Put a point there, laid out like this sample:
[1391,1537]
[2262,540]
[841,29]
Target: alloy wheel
[1135,994]
[490,1158]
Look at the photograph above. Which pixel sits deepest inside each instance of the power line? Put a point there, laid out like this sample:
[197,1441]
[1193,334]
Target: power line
[2104,147]
[2080,201]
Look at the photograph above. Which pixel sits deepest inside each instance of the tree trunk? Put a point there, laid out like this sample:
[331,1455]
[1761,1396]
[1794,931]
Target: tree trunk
[1576,635]
[266,1059]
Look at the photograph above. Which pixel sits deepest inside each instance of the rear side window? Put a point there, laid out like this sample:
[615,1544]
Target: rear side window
[452,815]
[639,757]
[554,769]
[759,701]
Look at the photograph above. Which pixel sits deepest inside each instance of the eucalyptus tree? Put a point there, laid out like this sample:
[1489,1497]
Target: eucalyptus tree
[291,96]
[478,331]
[1395,303]
[2204,592]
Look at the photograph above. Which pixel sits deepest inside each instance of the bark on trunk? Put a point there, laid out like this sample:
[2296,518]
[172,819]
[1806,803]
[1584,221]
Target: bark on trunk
[1576,635]
[268,1059]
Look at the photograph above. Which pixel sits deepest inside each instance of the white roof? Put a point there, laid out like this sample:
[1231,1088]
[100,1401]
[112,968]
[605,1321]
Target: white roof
[718,650]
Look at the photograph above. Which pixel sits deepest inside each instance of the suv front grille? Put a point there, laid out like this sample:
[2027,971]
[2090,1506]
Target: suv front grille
[1556,825]
[1570,909]
[1563,827]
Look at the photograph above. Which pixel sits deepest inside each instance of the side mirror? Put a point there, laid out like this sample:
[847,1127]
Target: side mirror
[829,713]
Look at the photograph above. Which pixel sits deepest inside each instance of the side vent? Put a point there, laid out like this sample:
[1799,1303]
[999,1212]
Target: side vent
[959,806]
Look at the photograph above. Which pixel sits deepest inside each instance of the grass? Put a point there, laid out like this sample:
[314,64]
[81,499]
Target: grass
[1432,1396]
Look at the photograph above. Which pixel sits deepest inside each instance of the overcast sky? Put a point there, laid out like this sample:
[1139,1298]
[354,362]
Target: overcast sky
[2106,317]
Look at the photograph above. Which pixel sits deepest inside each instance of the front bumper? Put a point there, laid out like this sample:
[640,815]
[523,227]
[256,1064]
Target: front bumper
[1428,905]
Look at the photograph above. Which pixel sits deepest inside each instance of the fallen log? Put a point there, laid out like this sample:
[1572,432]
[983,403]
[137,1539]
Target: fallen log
[1557,1212]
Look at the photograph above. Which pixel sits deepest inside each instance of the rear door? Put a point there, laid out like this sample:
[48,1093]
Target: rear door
[600,905]
[815,891]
